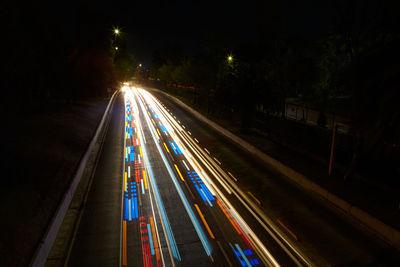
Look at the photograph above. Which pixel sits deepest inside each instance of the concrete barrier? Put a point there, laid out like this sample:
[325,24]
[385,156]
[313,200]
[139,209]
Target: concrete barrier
[48,240]
[385,232]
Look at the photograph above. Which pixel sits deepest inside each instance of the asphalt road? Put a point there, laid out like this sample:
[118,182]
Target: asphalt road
[196,225]
[322,234]
[170,191]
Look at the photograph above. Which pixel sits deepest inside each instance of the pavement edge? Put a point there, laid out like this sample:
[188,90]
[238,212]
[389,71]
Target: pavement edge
[46,244]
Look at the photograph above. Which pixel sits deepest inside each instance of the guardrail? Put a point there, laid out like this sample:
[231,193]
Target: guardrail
[46,244]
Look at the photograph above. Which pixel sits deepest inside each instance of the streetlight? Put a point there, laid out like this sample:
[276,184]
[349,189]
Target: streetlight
[116,48]
[230,58]
[140,64]
[116,31]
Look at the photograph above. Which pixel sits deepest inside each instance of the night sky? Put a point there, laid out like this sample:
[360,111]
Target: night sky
[158,24]
[151,25]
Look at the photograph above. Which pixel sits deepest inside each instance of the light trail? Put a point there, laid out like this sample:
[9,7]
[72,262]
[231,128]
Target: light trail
[133,212]
[160,205]
[220,175]
[189,210]
[188,159]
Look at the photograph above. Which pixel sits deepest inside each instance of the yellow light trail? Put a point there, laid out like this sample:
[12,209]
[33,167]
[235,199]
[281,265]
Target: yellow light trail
[180,175]
[145,180]
[204,221]
[126,182]
[140,149]
[158,132]
[166,147]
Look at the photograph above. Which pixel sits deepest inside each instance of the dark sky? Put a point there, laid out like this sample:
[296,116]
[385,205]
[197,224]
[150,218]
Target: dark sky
[155,24]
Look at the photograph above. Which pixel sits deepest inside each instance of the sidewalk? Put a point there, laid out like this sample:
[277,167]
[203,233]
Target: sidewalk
[372,207]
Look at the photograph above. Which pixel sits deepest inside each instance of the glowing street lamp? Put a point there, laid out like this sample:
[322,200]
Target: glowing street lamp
[116,48]
[140,64]
[116,31]
[230,58]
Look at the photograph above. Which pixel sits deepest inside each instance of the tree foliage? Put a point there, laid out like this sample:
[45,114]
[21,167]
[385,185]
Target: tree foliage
[356,60]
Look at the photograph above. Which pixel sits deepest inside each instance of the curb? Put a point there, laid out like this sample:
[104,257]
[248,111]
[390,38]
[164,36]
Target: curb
[47,241]
[382,230]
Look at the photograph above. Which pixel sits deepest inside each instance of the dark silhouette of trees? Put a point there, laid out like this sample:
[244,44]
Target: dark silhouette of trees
[355,60]
[54,56]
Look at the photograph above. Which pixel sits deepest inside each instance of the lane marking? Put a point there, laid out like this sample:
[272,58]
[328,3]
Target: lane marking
[254,198]
[233,177]
[224,253]
[204,221]
[288,230]
[180,175]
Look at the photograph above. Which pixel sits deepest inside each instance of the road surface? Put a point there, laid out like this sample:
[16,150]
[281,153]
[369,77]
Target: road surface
[162,197]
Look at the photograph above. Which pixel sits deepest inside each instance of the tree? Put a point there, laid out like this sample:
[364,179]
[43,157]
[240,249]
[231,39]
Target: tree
[156,63]
[125,64]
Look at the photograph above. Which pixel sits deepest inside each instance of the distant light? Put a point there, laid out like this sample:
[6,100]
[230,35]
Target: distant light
[140,65]
[116,48]
[230,58]
[116,31]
